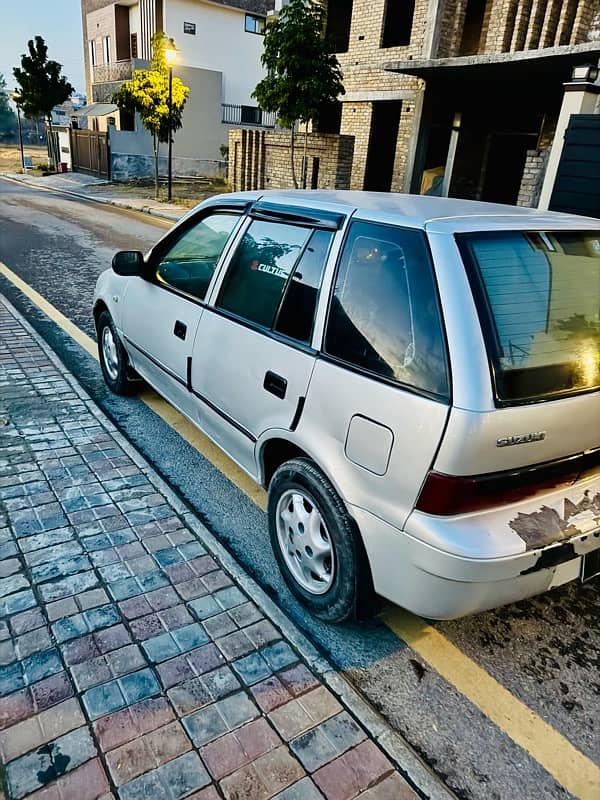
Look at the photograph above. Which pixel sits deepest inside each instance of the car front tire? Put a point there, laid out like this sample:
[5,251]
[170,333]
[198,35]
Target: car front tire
[315,542]
[118,375]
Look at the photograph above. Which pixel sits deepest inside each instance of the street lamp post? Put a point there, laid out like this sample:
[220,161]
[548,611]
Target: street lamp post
[170,55]
[16,97]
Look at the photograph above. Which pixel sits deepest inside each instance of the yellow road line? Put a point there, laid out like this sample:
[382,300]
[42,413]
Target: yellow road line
[160,407]
[205,447]
[573,770]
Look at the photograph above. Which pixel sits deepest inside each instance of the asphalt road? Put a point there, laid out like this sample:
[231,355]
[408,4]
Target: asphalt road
[545,651]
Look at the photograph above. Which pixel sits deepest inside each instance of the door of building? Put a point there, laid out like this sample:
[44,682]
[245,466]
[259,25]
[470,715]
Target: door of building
[381,154]
[504,164]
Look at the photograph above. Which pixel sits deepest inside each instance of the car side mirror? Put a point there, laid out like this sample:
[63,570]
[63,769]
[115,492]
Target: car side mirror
[129,262]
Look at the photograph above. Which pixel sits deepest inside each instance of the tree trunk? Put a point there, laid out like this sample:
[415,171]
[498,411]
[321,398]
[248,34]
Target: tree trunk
[156,148]
[294,178]
[305,161]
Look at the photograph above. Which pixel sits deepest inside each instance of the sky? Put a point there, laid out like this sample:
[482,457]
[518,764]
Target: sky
[57,21]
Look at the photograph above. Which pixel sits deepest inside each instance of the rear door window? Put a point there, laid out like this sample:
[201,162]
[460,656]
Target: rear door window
[538,295]
[274,277]
[384,316]
[297,312]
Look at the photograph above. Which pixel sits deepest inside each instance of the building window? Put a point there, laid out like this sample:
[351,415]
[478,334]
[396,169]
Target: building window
[134,45]
[339,20]
[106,49]
[397,23]
[127,120]
[92,47]
[254,24]
[251,115]
[189,27]
[473,26]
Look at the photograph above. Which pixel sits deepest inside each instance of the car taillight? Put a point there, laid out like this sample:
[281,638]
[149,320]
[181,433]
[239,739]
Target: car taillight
[447,495]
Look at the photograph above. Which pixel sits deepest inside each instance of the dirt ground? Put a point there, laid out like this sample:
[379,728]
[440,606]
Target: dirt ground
[186,194]
[10,156]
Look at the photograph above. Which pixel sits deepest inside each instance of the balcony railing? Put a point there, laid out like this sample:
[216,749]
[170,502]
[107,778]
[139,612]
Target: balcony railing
[247,115]
[117,70]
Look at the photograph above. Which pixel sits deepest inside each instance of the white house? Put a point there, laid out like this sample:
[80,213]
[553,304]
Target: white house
[219,50]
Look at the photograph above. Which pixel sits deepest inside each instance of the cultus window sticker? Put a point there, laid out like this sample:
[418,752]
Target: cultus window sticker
[269,268]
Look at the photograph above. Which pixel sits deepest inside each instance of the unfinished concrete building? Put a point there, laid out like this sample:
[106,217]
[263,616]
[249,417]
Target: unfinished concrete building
[455,96]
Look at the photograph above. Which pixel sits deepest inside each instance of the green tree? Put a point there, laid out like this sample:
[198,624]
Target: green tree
[302,73]
[41,85]
[8,118]
[148,94]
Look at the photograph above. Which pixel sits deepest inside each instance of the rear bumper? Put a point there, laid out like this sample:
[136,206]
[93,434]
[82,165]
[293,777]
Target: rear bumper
[441,585]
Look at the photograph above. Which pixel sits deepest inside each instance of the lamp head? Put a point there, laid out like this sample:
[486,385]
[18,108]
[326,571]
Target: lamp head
[171,53]
[585,73]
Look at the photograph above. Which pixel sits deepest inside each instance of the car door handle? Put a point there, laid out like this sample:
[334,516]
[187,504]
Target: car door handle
[275,384]
[180,329]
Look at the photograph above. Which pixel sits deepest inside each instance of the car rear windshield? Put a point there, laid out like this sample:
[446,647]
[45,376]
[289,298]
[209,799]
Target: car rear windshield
[538,295]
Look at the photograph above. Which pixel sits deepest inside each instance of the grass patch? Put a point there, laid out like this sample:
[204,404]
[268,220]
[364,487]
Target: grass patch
[10,158]
[184,193]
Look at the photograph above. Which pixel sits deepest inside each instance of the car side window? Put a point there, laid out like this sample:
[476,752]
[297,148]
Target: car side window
[297,312]
[384,316]
[260,269]
[189,263]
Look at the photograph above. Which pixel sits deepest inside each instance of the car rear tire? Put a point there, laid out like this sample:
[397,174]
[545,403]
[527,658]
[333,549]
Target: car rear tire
[316,543]
[118,375]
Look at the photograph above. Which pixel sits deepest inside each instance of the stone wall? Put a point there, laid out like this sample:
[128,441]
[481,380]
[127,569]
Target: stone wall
[533,178]
[356,122]
[593,34]
[509,26]
[132,166]
[261,159]
[103,92]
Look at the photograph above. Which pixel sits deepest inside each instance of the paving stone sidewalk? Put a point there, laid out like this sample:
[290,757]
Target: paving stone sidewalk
[131,664]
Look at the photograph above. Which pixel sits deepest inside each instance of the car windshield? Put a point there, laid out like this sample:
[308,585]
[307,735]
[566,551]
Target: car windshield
[539,301]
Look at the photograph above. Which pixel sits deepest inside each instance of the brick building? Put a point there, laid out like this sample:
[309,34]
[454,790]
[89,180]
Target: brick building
[466,89]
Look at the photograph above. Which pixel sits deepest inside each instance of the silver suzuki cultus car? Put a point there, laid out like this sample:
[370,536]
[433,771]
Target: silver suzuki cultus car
[415,380]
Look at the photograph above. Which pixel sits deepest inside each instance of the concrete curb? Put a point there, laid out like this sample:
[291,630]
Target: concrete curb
[163,215]
[409,763]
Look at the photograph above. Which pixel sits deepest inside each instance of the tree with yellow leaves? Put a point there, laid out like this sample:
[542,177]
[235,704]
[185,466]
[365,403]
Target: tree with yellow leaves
[147,93]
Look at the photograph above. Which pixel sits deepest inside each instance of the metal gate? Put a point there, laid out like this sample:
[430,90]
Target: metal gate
[578,176]
[90,152]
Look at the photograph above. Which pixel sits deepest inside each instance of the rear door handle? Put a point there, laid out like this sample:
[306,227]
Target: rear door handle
[275,384]
[180,329]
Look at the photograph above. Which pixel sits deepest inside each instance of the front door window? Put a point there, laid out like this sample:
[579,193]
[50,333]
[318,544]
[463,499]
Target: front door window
[188,264]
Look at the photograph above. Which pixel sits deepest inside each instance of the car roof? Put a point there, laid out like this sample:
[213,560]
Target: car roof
[436,214]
